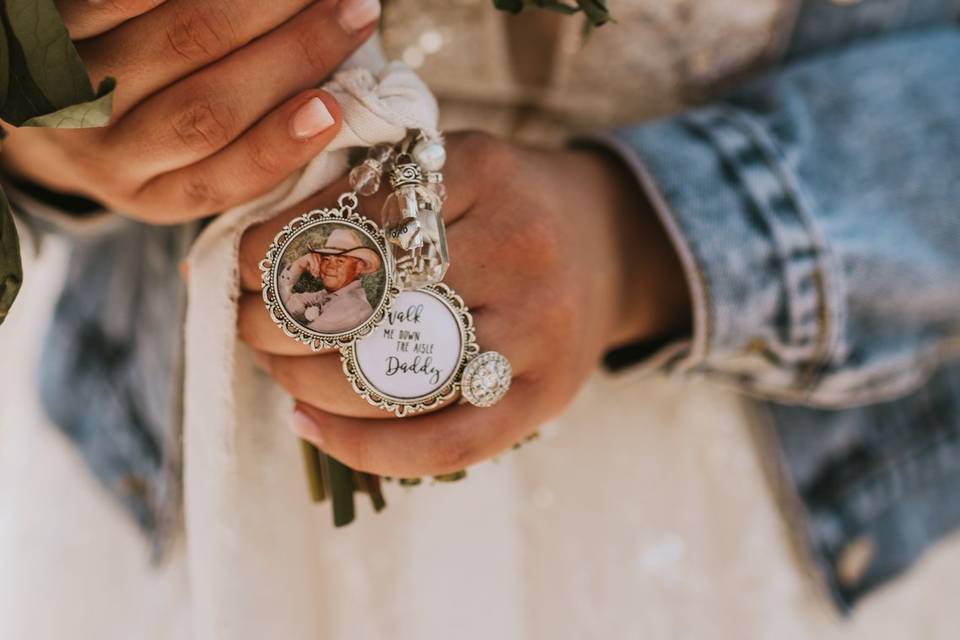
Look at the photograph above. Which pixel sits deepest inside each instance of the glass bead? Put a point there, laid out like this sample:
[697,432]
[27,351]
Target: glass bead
[418,241]
[439,190]
[402,230]
[365,179]
[380,153]
[435,253]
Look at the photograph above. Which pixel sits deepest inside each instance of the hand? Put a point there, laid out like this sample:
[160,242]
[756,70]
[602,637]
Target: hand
[558,257]
[214,103]
[310,262]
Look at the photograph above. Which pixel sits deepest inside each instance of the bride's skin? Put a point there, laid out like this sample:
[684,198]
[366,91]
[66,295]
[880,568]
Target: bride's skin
[558,257]
[555,252]
[200,123]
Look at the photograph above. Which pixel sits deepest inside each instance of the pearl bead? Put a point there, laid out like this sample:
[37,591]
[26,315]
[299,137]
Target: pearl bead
[430,155]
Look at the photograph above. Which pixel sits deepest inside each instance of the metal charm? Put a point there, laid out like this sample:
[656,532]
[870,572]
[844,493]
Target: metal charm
[328,277]
[486,379]
[414,360]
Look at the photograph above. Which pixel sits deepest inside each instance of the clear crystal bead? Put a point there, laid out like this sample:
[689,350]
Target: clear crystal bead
[439,190]
[411,217]
[380,153]
[402,228]
[434,256]
[365,179]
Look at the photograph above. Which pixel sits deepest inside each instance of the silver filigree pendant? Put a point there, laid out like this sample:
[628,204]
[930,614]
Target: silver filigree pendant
[328,278]
[423,355]
[414,359]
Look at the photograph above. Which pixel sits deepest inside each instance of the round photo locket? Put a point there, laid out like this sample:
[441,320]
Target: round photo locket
[328,277]
[414,359]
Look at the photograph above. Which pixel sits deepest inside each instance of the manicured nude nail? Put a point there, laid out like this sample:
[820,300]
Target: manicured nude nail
[357,14]
[304,426]
[311,119]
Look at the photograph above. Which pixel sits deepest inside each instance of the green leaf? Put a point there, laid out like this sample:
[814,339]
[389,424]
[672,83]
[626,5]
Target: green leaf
[11,269]
[51,59]
[595,10]
[43,83]
[4,65]
[555,5]
[95,113]
[513,6]
[24,98]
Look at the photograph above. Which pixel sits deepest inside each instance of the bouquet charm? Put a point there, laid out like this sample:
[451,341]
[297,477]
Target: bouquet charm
[333,278]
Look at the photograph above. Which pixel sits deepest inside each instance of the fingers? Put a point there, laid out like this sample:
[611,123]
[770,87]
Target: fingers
[85,18]
[257,239]
[319,380]
[202,114]
[434,444]
[179,36]
[257,328]
[260,159]
[497,329]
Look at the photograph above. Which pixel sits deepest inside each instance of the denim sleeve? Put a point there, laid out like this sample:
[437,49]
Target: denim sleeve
[817,214]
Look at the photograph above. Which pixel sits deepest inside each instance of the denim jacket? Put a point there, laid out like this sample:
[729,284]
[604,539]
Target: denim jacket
[816,213]
[816,210]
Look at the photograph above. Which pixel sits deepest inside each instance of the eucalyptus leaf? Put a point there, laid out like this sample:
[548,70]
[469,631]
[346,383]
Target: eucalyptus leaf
[11,268]
[95,113]
[51,59]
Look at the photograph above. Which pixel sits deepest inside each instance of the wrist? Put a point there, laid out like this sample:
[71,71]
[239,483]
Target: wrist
[652,298]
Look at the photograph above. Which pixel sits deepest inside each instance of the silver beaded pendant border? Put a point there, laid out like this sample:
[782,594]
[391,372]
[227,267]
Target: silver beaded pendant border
[345,214]
[402,407]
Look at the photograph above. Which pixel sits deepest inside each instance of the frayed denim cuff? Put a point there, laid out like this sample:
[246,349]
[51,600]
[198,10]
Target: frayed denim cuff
[758,272]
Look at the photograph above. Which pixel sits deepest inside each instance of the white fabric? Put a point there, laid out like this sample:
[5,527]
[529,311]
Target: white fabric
[233,456]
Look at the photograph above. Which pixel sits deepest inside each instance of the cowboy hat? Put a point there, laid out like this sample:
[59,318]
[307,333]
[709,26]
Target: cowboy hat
[346,242]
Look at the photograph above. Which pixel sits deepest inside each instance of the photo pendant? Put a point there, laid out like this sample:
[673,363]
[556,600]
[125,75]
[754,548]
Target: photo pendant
[413,360]
[328,277]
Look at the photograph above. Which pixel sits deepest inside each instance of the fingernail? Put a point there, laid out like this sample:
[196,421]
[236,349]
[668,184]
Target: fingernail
[304,426]
[311,119]
[357,14]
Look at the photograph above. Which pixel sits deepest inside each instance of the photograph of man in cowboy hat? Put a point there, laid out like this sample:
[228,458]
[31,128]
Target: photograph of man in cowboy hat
[339,263]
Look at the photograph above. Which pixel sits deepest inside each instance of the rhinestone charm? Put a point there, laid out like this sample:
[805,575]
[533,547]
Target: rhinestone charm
[486,379]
